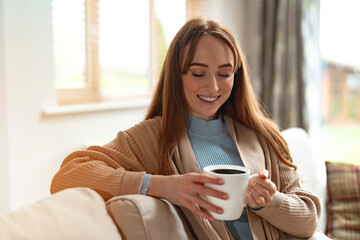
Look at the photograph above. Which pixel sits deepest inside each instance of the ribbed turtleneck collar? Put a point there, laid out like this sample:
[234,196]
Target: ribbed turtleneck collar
[206,128]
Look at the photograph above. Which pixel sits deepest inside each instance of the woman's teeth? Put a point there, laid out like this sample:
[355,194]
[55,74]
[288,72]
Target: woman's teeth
[208,99]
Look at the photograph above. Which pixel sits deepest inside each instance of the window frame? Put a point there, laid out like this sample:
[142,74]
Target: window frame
[91,92]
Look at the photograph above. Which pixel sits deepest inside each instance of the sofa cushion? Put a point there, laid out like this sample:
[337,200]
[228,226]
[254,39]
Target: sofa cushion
[343,200]
[311,169]
[77,213]
[144,217]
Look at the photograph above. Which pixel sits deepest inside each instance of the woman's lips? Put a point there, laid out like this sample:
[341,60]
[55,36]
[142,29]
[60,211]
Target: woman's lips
[208,98]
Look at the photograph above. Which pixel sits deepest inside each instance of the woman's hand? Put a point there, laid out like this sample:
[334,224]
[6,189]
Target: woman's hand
[184,190]
[261,190]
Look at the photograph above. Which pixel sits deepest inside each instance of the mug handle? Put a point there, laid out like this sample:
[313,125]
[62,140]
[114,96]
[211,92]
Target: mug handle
[251,177]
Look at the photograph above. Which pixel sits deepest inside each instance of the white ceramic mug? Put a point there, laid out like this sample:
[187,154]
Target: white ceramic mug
[235,185]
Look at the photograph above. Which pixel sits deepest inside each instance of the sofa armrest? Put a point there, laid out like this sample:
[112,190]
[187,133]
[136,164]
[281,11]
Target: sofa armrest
[144,217]
[311,168]
[77,213]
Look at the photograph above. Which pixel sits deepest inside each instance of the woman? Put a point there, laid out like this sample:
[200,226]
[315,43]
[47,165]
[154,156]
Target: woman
[204,111]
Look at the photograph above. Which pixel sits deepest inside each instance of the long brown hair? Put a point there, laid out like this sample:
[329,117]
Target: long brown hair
[170,103]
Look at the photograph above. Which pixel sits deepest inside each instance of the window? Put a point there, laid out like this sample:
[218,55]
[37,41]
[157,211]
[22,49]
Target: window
[108,50]
[341,80]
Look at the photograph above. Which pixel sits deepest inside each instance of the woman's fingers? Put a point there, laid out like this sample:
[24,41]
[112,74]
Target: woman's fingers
[265,186]
[257,200]
[266,190]
[201,202]
[205,178]
[264,174]
[187,190]
[201,189]
[208,191]
[261,190]
[198,211]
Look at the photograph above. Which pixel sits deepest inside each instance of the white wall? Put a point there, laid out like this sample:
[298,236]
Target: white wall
[31,145]
[4,159]
[242,18]
[226,12]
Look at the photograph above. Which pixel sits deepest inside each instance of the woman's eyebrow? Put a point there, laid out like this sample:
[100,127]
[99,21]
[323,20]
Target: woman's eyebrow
[226,65]
[198,64]
[205,65]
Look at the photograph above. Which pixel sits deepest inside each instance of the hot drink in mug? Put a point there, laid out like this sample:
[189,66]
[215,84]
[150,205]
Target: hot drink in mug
[236,181]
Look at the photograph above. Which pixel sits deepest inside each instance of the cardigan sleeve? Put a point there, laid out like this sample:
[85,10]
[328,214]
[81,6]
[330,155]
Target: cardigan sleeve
[117,168]
[293,210]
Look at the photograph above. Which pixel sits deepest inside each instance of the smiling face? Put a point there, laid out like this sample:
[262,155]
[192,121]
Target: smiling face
[210,78]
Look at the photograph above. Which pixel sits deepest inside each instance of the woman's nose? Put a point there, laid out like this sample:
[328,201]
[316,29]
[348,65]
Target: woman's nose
[212,83]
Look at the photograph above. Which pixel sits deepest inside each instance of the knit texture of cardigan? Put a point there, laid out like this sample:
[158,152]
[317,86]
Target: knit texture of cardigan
[118,168]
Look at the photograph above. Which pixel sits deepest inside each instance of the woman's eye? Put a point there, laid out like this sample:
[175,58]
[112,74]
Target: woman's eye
[197,75]
[224,75]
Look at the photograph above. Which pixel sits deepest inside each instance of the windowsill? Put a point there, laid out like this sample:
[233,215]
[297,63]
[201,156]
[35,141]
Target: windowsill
[63,110]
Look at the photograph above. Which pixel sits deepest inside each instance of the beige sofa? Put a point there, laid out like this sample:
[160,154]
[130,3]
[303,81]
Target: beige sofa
[80,213]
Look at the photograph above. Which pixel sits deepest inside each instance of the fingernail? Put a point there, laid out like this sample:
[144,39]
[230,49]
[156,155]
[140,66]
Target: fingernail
[221,181]
[220,211]
[264,174]
[225,196]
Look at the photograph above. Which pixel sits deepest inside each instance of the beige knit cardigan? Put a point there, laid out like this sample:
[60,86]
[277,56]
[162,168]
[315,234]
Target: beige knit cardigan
[118,168]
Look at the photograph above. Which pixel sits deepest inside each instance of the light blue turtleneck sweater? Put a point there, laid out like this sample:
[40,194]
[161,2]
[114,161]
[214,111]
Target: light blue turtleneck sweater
[213,145]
